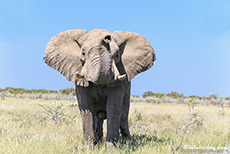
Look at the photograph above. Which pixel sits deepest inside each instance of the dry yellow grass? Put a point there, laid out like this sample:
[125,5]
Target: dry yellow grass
[26,127]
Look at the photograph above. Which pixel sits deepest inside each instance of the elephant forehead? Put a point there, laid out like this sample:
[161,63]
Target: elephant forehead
[97,36]
[95,42]
[100,31]
[94,37]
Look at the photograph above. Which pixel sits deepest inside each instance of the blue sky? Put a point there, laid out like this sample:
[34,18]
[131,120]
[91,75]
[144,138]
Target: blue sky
[191,40]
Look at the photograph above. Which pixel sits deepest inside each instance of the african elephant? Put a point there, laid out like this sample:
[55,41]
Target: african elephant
[101,64]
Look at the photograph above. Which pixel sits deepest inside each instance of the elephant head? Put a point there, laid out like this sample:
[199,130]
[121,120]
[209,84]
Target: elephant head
[99,56]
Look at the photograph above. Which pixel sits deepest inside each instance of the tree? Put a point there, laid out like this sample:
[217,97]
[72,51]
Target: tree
[148,94]
[67,91]
[151,94]
[175,94]
[194,96]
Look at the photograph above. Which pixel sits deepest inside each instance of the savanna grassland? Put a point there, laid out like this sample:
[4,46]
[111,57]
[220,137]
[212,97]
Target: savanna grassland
[54,127]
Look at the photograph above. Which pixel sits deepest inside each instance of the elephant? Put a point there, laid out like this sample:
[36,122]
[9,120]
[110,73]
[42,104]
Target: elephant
[101,65]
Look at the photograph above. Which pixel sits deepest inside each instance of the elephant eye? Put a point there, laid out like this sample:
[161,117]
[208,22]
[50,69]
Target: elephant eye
[117,56]
[83,52]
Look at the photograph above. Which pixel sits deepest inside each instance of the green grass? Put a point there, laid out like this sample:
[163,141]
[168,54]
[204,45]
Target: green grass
[28,126]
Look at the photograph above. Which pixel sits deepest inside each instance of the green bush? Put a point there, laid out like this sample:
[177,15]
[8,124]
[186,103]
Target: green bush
[175,94]
[159,95]
[150,93]
[16,91]
[67,91]
[193,96]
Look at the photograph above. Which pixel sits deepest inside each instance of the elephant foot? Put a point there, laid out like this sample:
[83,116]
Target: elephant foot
[125,132]
[110,145]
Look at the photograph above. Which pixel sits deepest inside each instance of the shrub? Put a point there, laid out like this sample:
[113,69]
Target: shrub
[151,94]
[175,94]
[55,112]
[148,94]
[67,91]
[193,96]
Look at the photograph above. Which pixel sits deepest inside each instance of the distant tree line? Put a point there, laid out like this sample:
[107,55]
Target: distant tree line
[69,91]
[16,91]
[175,94]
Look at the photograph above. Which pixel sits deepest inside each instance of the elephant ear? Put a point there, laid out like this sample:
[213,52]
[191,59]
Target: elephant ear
[63,54]
[137,53]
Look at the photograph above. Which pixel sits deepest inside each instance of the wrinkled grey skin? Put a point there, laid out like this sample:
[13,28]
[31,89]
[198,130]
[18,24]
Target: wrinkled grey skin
[101,64]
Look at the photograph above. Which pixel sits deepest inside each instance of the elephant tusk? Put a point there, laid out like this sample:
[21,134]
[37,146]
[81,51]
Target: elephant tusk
[79,75]
[121,77]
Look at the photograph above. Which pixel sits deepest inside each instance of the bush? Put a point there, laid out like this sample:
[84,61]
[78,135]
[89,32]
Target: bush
[193,96]
[16,91]
[175,94]
[151,94]
[68,91]
[148,94]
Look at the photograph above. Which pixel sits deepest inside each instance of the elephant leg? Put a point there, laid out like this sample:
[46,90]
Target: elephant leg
[124,126]
[88,127]
[113,109]
[86,106]
[99,128]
